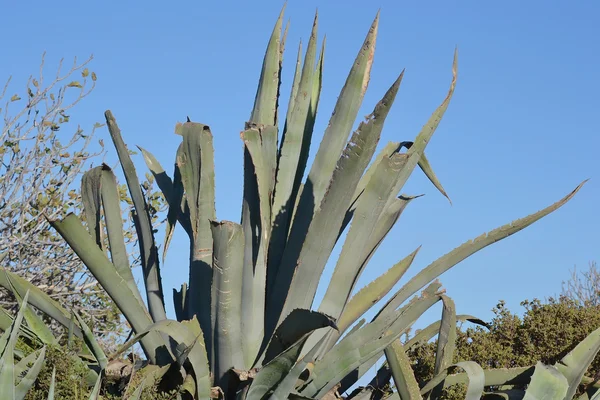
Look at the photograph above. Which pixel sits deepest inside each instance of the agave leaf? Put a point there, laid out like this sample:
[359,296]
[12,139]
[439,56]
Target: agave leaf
[196,165]
[259,173]
[188,385]
[427,333]
[446,342]
[297,324]
[402,372]
[51,388]
[265,103]
[290,152]
[428,171]
[308,131]
[475,374]
[287,385]
[365,301]
[548,383]
[189,336]
[374,291]
[180,302]
[495,377]
[30,377]
[468,248]
[577,361]
[329,175]
[23,364]
[92,343]
[151,377]
[96,390]
[389,150]
[81,242]
[38,298]
[175,212]
[173,195]
[424,137]
[352,259]
[353,377]
[275,371]
[228,258]
[91,198]
[366,343]
[143,225]
[8,341]
[311,252]
[114,227]
[341,122]
[34,322]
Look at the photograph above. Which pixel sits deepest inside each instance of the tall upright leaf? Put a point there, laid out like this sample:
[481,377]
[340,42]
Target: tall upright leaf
[228,250]
[305,257]
[265,103]
[289,156]
[196,165]
[143,225]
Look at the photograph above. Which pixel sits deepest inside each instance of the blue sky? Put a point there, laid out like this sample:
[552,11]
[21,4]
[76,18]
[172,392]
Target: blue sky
[520,133]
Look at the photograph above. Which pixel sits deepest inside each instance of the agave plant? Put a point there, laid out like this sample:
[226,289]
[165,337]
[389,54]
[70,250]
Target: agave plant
[245,326]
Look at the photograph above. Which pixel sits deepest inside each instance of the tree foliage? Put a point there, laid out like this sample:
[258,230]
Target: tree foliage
[546,332]
[42,157]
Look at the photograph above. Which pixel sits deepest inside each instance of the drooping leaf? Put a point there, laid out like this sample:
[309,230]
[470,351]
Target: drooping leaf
[475,375]
[424,137]
[37,298]
[427,333]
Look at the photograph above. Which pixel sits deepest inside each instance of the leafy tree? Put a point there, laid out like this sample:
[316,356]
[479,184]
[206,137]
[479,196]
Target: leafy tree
[42,156]
[546,332]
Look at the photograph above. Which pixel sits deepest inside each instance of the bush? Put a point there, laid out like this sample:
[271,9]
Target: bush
[546,332]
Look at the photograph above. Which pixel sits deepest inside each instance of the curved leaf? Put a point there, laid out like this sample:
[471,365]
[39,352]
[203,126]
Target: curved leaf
[577,361]
[548,383]
[468,248]
[475,374]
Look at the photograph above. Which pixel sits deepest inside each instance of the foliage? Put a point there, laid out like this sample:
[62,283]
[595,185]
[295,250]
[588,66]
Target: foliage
[584,287]
[244,326]
[546,333]
[42,151]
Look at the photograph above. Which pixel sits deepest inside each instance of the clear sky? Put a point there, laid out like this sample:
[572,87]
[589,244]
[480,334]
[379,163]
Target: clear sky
[520,133]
